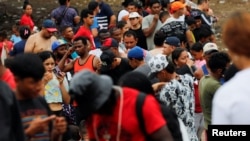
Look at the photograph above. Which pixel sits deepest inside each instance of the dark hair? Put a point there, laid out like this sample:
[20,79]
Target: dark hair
[204,33]
[121,24]
[189,20]
[170,67]
[62,2]
[74,132]
[45,55]
[63,28]
[199,2]
[230,72]
[3,34]
[25,4]
[197,47]
[130,33]
[133,3]
[113,29]
[176,53]
[162,14]
[152,2]
[26,65]
[85,13]
[24,32]
[126,2]
[136,80]
[93,5]
[103,31]
[82,38]
[159,38]
[218,60]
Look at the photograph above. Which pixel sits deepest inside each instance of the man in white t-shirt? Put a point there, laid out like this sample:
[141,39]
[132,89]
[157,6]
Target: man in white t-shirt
[152,23]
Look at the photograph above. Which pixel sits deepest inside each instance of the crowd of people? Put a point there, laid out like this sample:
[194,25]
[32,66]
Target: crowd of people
[153,71]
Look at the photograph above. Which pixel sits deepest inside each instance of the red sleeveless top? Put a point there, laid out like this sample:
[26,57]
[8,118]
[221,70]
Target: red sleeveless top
[87,65]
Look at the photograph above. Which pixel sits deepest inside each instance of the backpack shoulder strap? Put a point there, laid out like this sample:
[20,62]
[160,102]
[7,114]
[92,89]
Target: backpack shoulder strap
[64,12]
[139,104]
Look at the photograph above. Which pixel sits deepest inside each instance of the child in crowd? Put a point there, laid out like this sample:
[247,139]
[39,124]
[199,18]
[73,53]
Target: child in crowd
[15,37]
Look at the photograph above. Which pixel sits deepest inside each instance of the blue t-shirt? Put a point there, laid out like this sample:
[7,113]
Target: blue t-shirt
[96,39]
[15,39]
[104,16]
[18,48]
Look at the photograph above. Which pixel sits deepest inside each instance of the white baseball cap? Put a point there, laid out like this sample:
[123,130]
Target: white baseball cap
[208,47]
[134,15]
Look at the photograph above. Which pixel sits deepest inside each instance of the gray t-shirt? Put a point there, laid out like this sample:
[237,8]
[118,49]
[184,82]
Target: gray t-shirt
[146,22]
[145,69]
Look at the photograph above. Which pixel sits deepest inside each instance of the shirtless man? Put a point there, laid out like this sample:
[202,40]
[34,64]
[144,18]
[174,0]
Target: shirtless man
[42,40]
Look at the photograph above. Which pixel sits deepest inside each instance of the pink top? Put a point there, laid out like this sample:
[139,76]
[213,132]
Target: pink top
[199,63]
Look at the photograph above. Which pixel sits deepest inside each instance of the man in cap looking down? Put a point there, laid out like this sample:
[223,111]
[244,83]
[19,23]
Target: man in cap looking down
[114,66]
[104,107]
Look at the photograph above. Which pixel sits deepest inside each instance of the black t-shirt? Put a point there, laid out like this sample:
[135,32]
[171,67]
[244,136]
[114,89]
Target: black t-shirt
[198,31]
[205,19]
[142,42]
[120,70]
[31,109]
[175,28]
[10,121]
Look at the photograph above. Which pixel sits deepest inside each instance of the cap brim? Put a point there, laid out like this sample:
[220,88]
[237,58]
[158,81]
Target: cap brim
[51,29]
[210,51]
[133,17]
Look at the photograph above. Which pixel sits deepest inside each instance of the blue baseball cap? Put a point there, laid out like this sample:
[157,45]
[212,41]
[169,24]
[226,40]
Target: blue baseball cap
[136,53]
[49,25]
[58,43]
[173,41]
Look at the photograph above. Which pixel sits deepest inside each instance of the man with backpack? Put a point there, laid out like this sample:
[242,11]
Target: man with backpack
[64,15]
[110,111]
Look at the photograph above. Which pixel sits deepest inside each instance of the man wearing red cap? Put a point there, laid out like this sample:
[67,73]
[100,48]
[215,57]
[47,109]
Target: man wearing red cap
[42,40]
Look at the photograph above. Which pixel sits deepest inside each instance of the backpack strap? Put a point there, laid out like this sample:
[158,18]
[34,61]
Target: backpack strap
[64,12]
[139,104]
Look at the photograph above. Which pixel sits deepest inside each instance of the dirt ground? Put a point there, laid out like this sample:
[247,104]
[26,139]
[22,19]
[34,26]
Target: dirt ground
[10,10]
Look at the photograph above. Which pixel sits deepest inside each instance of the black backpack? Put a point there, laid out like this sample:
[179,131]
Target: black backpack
[169,115]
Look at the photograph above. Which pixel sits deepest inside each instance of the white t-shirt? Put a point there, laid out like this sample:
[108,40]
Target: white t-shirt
[171,19]
[146,22]
[231,103]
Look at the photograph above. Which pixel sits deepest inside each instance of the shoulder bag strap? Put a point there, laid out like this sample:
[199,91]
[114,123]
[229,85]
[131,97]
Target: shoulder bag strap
[139,104]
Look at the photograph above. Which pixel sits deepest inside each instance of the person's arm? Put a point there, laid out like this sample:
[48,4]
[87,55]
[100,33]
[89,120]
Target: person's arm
[94,28]
[155,123]
[190,39]
[149,28]
[38,125]
[97,63]
[65,94]
[112,20]
[77,19]
[30,44]
[163,134]
[69,66]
